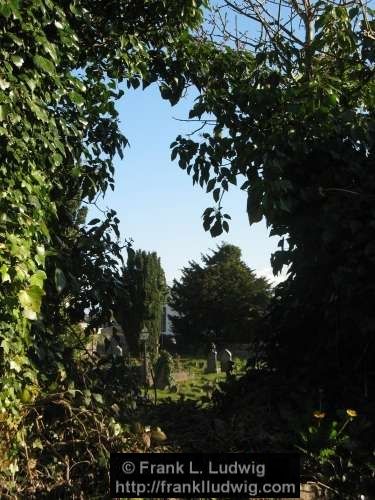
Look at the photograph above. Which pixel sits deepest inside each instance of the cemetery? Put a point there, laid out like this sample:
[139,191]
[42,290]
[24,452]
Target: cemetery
[187,242]
[191,380]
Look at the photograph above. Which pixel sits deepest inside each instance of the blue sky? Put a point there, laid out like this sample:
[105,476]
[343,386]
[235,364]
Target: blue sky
[156,201]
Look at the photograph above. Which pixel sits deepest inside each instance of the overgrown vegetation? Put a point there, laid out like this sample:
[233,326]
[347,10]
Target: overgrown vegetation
[264,412]
[286,109]
[293,118]
[291,115]
[62,66]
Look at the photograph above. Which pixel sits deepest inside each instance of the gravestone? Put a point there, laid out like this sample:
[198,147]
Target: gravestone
[164,371]
[116,348]
[212,360]
[226,362]
[162,377]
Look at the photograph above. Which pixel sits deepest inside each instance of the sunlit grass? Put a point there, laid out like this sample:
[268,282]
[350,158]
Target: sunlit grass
[198,383]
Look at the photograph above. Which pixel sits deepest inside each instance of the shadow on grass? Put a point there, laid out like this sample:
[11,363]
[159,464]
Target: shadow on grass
[189,426]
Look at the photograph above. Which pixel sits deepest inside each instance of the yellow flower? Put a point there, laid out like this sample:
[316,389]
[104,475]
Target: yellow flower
[351,413]
[319,414]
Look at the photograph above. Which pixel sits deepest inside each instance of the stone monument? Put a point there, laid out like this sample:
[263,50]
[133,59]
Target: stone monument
[226,362]
[164,371]
[162,376]
[212,360]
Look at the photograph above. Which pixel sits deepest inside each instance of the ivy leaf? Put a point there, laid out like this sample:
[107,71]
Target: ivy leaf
[31,300]
[14,365]
[5,10]
[57,159]
[44,64]
[37,279]
[17,61]
[4,273]
[4,111]
[4,84]
[37,443]
[40,255]
[14,5]
[98,398]
[77,98]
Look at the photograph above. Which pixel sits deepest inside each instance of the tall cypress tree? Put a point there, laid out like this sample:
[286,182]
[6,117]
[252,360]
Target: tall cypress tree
[142,303]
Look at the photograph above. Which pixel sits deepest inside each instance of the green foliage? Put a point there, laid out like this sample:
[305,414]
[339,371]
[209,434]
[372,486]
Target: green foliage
[293,125]
[145,291]
[37,133]
[335,452]
[71,427]
[62,64]
[264,412]
[221,300]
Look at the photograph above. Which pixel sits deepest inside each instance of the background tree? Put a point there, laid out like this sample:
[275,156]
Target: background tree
[289,114]
[142,303]
[287,111]
[222,296]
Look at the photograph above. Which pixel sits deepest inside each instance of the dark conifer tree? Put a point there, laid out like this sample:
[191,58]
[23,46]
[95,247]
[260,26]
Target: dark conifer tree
[142,304]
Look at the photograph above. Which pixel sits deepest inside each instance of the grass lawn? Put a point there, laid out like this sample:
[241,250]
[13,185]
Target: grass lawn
[191,380]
